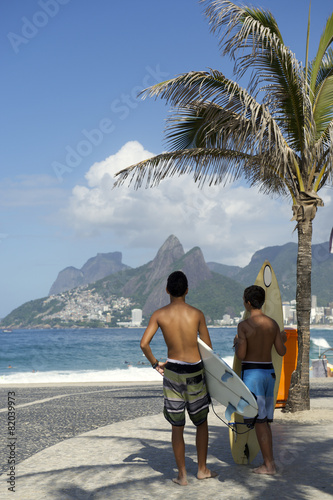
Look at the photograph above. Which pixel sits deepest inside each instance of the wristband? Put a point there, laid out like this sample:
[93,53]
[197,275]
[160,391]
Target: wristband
[155,364]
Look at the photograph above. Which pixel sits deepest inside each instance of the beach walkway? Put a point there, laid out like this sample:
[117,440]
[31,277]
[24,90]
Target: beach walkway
[130,459]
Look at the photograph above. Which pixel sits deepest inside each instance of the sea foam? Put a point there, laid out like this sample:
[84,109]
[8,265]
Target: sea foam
[130,374]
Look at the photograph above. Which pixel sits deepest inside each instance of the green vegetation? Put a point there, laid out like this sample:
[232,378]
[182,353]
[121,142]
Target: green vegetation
[31,312]
[216,297]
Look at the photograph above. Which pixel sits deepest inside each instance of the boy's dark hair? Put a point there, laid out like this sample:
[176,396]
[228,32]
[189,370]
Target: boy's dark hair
[255,295]
[177,284]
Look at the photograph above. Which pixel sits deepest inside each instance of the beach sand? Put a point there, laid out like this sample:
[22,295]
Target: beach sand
[103,441]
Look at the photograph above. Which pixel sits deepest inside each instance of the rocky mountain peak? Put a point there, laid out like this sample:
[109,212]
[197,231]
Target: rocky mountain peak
[171,251]
[94,269]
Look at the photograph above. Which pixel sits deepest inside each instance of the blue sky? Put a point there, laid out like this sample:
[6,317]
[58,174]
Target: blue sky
[71,72]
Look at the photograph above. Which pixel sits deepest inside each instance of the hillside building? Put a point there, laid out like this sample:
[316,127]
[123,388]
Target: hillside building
[136,317]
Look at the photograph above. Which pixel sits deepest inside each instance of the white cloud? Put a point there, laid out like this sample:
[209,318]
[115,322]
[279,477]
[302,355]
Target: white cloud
[229,223]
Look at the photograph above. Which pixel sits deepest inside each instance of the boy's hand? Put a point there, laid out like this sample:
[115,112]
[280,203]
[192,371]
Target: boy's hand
[160,367]
[283,336]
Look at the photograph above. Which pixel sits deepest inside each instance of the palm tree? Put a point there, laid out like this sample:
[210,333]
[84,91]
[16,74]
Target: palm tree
[282,142]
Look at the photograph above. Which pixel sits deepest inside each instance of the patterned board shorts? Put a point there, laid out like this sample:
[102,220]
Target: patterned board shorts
[184,387]
[260,379]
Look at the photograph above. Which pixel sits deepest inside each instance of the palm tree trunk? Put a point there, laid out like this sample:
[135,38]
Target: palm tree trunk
[299,392]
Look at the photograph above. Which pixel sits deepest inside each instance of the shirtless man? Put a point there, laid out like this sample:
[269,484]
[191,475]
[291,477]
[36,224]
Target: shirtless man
[183,383]
[253,345]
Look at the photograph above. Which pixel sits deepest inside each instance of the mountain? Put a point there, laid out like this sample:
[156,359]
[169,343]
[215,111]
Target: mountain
[213,293]
[216,289]
[94,269]
[283,260]
[142,287]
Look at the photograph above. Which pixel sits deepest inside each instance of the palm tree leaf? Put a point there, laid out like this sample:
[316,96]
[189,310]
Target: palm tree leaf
[273,65]
[325,41]
[323,94]
[208,165]
[229,112]
[323,105]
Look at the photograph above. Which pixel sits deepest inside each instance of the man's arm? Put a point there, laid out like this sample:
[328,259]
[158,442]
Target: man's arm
[203,330]
[240,342]
[146,339]
[280,339]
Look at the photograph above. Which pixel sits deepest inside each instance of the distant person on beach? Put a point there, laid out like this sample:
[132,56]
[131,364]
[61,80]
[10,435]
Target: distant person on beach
[329,372]
[184,384]
[253,345]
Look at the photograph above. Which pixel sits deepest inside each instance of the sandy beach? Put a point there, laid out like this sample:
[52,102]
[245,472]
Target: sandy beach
[101,441]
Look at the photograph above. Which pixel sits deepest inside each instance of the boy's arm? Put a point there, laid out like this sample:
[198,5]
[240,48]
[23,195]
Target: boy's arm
[280,339]
[146,339]
[203,330]
[240,342]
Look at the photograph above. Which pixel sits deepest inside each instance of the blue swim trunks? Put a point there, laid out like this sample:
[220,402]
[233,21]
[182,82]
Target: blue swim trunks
[260,379]
[184,388]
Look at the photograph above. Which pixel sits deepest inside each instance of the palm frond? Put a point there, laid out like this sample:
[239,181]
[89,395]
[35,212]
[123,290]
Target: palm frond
[241,25]
[324,159]
[225,107]
[275,69]
[323,94]
[214,166]
[324,44]
[219,131]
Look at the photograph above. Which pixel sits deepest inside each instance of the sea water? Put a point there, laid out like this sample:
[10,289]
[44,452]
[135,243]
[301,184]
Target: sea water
[103,355]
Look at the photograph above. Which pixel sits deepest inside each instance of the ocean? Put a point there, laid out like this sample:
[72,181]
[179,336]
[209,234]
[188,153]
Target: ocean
[102,355]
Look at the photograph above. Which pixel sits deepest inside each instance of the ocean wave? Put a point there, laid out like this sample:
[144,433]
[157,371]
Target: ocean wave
[130,374]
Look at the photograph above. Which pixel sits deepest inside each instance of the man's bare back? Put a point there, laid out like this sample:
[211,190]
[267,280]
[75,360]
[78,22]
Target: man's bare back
[180,324]
[256,336]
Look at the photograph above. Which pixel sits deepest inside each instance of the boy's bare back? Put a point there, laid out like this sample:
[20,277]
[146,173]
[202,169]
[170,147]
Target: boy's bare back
[180,324]
[256,336]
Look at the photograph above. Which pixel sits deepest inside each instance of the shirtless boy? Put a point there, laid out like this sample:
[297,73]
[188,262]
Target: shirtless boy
[253,345]
[183,383]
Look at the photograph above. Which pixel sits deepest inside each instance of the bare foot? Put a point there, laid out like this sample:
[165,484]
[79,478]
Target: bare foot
[206,474]
[264,470]
[182,481]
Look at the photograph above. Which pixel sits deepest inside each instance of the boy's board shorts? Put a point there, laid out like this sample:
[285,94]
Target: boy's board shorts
[184,387]
[260,379]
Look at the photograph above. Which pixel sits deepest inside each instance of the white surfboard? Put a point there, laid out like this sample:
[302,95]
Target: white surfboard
[225,385]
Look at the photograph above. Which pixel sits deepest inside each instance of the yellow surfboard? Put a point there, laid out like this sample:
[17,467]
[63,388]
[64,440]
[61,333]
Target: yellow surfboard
[244,445]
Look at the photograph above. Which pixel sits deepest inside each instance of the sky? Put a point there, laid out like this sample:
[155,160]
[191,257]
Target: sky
[71,117]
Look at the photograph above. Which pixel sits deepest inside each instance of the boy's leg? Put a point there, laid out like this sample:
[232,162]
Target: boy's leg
[178,446]
[202,448]
[264,436]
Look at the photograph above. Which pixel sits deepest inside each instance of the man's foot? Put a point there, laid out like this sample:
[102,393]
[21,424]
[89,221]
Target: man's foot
[181,480]
[263,469]
[206,474]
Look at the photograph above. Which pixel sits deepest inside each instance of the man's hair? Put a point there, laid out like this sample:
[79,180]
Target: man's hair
[255,295]
[177,284]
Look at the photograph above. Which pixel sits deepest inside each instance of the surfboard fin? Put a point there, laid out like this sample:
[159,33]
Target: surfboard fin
[242,404]
[226,375]
[246,451]
[229,411]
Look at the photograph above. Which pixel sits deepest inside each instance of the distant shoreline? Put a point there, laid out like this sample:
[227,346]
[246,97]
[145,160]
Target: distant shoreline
[312,327]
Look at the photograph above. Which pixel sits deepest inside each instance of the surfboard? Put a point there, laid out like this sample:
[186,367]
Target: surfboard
[225,385]
[245,447]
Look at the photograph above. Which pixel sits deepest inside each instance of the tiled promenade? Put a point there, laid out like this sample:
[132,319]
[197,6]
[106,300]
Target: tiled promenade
[112,442]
